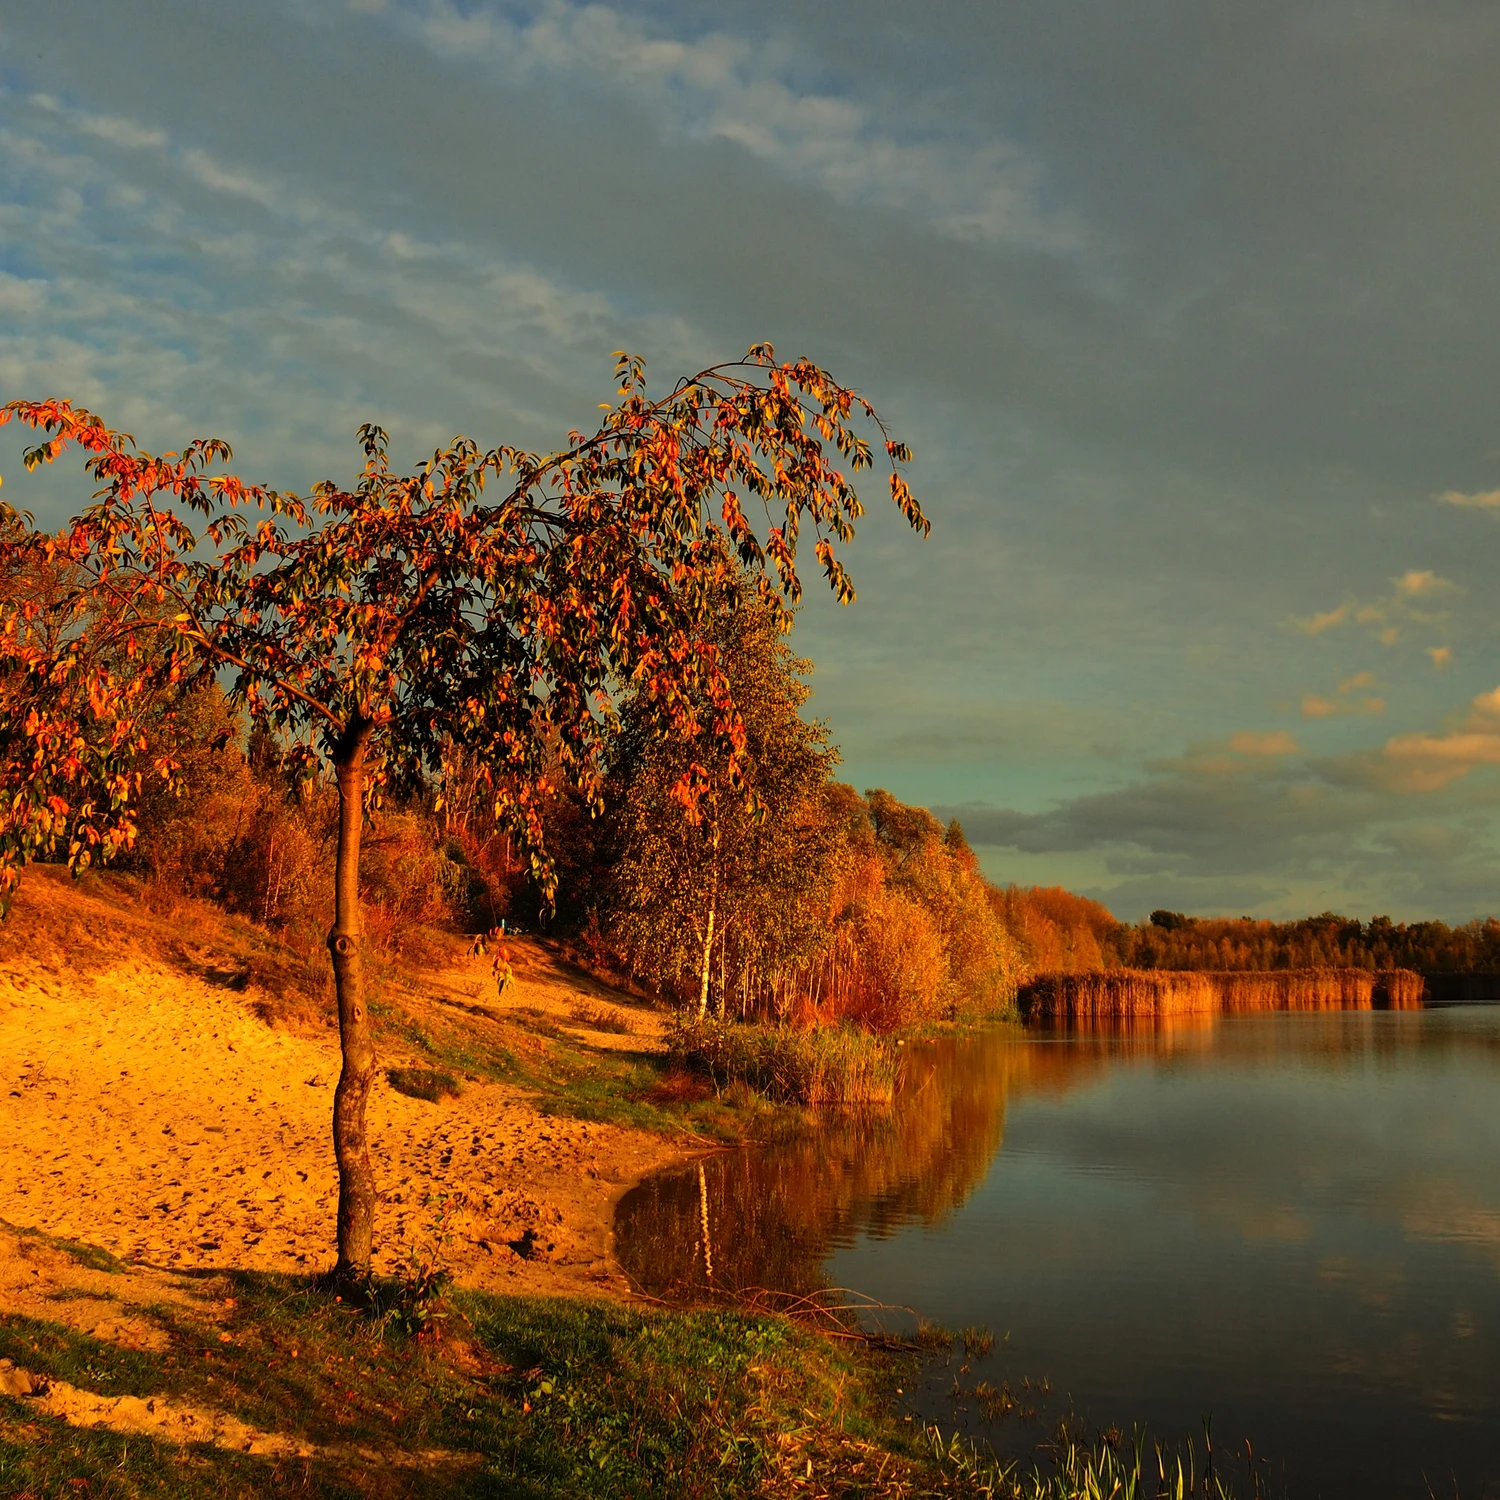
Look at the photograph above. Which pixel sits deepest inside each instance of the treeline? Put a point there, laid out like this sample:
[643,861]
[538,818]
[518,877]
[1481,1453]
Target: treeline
[1169,940]
[791,898]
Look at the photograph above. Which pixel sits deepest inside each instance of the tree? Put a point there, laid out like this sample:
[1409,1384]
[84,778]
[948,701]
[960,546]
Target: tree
[745,881]
[379,627]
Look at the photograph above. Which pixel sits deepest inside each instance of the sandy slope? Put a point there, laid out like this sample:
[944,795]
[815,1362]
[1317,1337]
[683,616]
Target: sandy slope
[148,1110]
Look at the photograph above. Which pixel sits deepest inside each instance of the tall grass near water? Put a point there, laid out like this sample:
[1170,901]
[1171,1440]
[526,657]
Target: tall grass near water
[1141,994]
[830,1065]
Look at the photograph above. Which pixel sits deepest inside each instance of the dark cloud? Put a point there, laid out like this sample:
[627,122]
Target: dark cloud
[1283,839]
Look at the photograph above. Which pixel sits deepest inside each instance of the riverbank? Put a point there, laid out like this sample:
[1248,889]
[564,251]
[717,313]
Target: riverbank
[226,1384]
[127,1380]
[166,1205]
[166,1192]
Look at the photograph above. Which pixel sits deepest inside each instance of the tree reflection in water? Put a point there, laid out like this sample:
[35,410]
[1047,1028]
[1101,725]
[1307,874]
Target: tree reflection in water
[768,1217]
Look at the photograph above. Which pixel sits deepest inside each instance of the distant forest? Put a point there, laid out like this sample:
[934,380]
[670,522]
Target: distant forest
[1170,940]
[1060,932]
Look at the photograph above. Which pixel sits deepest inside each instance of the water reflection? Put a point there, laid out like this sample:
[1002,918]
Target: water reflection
[1291,1221]
[771,1218]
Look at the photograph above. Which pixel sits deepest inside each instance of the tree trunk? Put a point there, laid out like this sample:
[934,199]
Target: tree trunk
[708,949]
[350,1146]
[706,969]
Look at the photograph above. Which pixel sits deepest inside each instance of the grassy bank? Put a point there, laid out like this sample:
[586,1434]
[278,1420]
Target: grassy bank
[1134,994]
[832,1065]
[242,1384]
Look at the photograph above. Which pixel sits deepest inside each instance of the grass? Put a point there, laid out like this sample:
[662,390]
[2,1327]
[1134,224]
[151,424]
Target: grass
[529,1399]
[1129,994]
[821,1066]
[545,1397]
[431,1084]
[600,1018]
[1103,1469]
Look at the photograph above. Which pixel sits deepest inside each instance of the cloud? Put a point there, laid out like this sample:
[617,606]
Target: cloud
[1315,706]
[1278,742]
[1329,620]
[718,86]
[1410,602]
[1480,500]
[1432,761]
[111,128]
[1442,656]
[1256,825]
[295,303]
[1423,584]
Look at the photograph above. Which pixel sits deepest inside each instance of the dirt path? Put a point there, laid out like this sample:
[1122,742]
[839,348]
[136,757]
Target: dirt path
[150,1112]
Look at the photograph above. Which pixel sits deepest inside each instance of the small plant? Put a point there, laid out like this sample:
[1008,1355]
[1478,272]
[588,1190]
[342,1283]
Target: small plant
[932,1336]
[418,1305]
[432,1084]
[1000,1401]
[977,1342]
[600,1018]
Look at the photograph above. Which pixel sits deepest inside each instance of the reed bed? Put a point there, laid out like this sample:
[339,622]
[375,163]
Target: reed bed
[1148,994]
[831,1065]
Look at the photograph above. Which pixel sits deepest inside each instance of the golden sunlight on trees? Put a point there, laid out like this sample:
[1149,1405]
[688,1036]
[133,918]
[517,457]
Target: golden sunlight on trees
[732,897]
[379,629]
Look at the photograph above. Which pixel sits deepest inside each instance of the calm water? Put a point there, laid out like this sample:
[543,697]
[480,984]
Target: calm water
[1288,1222]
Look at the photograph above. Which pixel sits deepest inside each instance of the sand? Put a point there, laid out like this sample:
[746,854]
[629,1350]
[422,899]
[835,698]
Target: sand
[150,1112]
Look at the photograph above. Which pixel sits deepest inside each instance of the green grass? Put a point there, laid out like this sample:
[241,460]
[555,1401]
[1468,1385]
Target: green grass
[432,1084]
[550,1397]
[537,1399]
[645,1090]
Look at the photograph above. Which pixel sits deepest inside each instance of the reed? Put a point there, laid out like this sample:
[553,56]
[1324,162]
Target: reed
[826,1065]
[1141,994]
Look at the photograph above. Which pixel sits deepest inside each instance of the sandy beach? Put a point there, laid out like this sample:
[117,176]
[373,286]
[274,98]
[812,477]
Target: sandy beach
[151,1112]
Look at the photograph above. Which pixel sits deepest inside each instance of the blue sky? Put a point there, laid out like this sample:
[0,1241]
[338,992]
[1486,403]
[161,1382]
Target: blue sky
[1188,311]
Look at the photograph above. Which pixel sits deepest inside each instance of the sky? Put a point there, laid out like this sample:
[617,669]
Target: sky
[1188,311]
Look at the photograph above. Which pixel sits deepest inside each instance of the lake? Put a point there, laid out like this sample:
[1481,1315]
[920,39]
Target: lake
[1287,1223]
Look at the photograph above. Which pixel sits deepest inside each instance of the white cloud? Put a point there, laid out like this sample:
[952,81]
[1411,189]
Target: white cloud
[1423,584]
[1329,619]
[1316,706]
[21,298]
[720,87]
[1351,697]
[1417,597]
[273,330]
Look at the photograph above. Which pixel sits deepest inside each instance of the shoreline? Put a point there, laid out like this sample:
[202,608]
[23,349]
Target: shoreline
[150,1112]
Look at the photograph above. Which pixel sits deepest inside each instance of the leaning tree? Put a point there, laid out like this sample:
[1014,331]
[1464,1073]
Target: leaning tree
[381,627]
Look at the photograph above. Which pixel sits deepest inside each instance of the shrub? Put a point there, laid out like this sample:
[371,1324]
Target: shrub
[833,1065]
[432,1084]
[903,967]
[600,1018]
